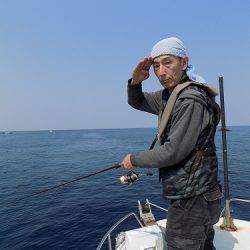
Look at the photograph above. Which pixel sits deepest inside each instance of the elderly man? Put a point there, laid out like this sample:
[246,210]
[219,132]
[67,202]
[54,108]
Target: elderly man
[186,156]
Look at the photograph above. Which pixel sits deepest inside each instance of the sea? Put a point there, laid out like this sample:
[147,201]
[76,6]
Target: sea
[78,215]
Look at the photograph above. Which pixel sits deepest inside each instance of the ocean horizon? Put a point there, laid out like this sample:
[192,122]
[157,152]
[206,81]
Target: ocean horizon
[73,129]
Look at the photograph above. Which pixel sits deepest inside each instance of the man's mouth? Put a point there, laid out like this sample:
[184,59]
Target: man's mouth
[165,81]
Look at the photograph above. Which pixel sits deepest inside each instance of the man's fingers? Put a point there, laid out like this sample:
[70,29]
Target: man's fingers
[147,62]
[140,65]
[126,163]
[148,65]
[141,71]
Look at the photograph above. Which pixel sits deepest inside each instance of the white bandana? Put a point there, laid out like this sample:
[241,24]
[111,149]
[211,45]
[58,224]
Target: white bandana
[174,46]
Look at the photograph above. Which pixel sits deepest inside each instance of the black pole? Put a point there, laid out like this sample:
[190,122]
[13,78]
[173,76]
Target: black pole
[224,139]
[227,219]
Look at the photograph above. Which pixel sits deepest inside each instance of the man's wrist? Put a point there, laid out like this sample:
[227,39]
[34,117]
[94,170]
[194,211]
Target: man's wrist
[131,83]
[134,82]
[132,160]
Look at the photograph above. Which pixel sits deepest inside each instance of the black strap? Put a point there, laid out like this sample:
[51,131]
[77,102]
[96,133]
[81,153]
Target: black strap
[153,142]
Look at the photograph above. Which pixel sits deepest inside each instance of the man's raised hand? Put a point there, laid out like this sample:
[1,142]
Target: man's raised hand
[141,71]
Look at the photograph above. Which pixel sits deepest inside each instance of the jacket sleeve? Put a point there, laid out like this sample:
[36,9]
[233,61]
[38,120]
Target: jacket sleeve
[148,102]
[188,122]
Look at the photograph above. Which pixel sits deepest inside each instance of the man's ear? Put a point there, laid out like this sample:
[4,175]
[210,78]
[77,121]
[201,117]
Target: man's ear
[185,62]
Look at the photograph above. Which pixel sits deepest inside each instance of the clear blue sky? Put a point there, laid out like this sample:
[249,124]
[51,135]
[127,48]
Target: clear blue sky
[65,64]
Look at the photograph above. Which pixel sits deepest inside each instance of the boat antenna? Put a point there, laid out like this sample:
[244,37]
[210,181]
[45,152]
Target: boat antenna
[116,166]
[227,223]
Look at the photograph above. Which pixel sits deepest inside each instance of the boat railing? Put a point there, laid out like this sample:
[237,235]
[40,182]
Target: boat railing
[108,234]
[235,200]
[154,205]
[238,200]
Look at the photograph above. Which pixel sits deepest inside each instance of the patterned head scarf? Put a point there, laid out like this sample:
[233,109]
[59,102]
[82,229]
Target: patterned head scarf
[174,46]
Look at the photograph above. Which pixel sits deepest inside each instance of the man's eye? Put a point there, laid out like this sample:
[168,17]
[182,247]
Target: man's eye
[167,62]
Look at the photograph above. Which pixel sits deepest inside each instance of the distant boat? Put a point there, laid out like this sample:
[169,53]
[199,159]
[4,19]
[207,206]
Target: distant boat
[8,132]
[51,131]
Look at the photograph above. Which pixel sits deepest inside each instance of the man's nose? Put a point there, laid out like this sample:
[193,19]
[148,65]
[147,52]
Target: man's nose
[161,71]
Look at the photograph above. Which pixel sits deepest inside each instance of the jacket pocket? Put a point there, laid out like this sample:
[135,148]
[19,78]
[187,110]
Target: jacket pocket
[213,204]
[213,195]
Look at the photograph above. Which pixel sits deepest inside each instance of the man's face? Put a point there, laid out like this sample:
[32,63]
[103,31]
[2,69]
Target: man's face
[169,69]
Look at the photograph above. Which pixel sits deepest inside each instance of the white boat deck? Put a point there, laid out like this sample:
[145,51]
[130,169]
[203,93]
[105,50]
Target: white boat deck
[239,239]
[152,237]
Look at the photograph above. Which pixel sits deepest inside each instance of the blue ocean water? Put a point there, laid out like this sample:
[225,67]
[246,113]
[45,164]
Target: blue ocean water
[78,215]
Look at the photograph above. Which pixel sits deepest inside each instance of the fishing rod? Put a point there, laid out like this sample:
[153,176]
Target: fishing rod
[116,166]
[130,178]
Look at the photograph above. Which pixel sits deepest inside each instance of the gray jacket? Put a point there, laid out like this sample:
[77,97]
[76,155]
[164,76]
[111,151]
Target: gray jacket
[183,174]
[190,118]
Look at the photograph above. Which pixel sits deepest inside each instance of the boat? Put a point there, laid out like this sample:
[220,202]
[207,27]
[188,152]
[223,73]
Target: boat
[230,233]
[150,234]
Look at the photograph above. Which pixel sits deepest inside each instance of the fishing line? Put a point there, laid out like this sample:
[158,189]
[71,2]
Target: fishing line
[69,182]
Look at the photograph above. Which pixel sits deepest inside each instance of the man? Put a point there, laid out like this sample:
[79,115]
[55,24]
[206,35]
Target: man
[186,157]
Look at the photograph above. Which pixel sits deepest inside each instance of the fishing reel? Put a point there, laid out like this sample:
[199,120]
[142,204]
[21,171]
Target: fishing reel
[131,177]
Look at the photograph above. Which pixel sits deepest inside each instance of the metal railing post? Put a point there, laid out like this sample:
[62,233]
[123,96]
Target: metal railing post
[110,242]
[227,218]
